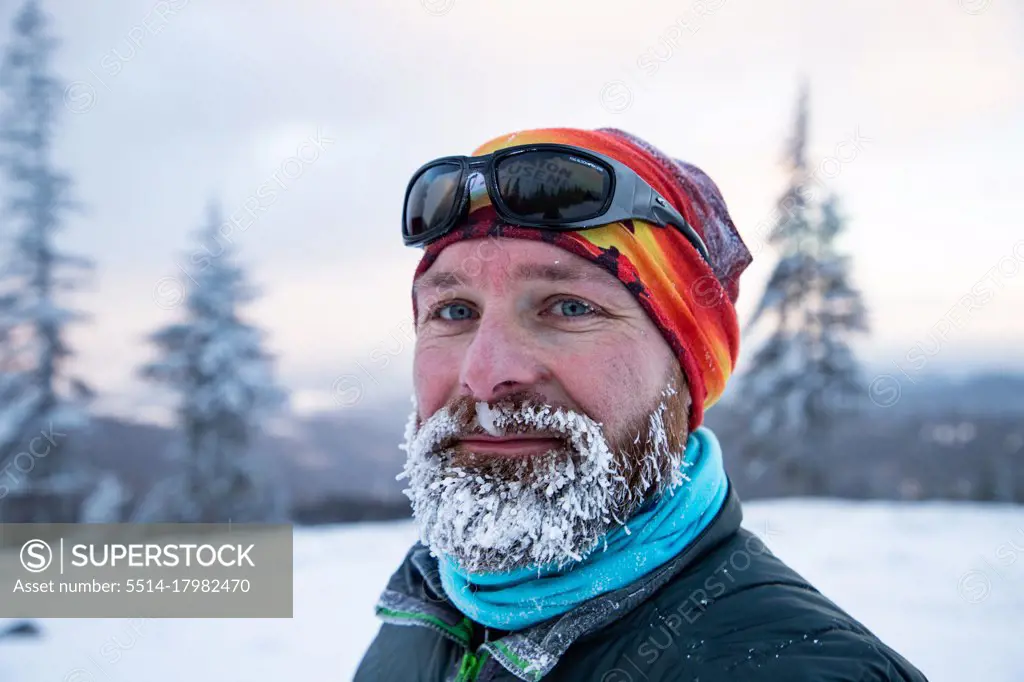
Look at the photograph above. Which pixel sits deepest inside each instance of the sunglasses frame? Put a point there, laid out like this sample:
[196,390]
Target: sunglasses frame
[629,196]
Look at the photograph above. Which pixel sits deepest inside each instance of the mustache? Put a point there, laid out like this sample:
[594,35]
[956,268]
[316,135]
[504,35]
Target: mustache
[459,419]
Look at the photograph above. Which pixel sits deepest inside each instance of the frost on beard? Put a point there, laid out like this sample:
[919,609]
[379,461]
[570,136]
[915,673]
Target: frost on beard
[501,514]
[487,417]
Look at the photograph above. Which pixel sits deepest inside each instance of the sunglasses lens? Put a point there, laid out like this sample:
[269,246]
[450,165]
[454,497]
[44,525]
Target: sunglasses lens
[548,185]
[431,199]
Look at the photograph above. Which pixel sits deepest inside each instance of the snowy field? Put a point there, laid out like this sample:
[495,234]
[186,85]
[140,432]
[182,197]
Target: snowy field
[942,583]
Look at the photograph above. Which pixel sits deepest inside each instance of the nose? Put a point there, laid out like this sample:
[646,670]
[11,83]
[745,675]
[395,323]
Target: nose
[499,361]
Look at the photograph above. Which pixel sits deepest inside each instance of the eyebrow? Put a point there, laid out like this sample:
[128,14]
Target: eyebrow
[555,272]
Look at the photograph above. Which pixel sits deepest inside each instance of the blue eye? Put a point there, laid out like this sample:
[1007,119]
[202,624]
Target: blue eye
[454,312]
[572,307]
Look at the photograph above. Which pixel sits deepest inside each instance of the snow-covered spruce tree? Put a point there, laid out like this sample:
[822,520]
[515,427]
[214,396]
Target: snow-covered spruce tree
[838,315]
[40,405]
[215,362]
[805,376]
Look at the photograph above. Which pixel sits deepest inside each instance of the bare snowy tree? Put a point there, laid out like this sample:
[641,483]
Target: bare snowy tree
[37,396]
[215,362]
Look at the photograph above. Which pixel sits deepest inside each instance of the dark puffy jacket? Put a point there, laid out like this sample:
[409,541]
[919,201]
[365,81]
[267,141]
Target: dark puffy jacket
[723,609]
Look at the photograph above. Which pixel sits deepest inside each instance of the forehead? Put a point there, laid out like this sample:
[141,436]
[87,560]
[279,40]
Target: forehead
[500,263]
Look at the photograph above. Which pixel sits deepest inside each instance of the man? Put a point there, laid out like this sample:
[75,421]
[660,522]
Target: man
[574,318]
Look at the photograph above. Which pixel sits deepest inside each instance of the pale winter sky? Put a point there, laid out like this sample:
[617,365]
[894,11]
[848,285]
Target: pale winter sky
[916,121]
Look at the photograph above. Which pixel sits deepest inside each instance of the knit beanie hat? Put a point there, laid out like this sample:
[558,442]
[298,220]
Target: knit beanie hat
[690,300]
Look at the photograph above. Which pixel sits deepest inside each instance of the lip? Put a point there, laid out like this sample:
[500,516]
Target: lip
[519,445]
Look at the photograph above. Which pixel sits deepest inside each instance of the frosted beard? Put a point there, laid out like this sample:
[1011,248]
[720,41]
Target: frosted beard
[494,514]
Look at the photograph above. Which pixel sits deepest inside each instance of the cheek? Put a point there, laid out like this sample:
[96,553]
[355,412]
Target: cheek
[610,387]
[435,376]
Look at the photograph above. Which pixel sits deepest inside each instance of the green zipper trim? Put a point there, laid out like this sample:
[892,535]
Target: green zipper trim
[472,663]
[461,632]
[524,666]
[471,666]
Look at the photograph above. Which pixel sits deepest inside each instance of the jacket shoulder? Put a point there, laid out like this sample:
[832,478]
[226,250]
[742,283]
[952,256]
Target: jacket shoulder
[406,654]
[741,613]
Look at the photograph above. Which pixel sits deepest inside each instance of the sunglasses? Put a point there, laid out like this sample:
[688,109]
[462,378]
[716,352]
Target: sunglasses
[549,186]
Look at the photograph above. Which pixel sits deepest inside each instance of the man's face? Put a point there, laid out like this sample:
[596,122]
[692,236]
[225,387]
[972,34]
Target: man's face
[548,404]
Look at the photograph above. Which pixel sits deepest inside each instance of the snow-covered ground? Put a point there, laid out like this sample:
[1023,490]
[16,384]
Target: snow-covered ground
[941,583]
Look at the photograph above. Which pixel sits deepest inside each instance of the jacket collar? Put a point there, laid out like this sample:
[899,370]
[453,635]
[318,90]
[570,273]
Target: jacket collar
[414,596]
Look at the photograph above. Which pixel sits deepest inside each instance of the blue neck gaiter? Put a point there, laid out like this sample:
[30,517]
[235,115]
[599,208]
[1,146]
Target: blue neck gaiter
[659,531]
